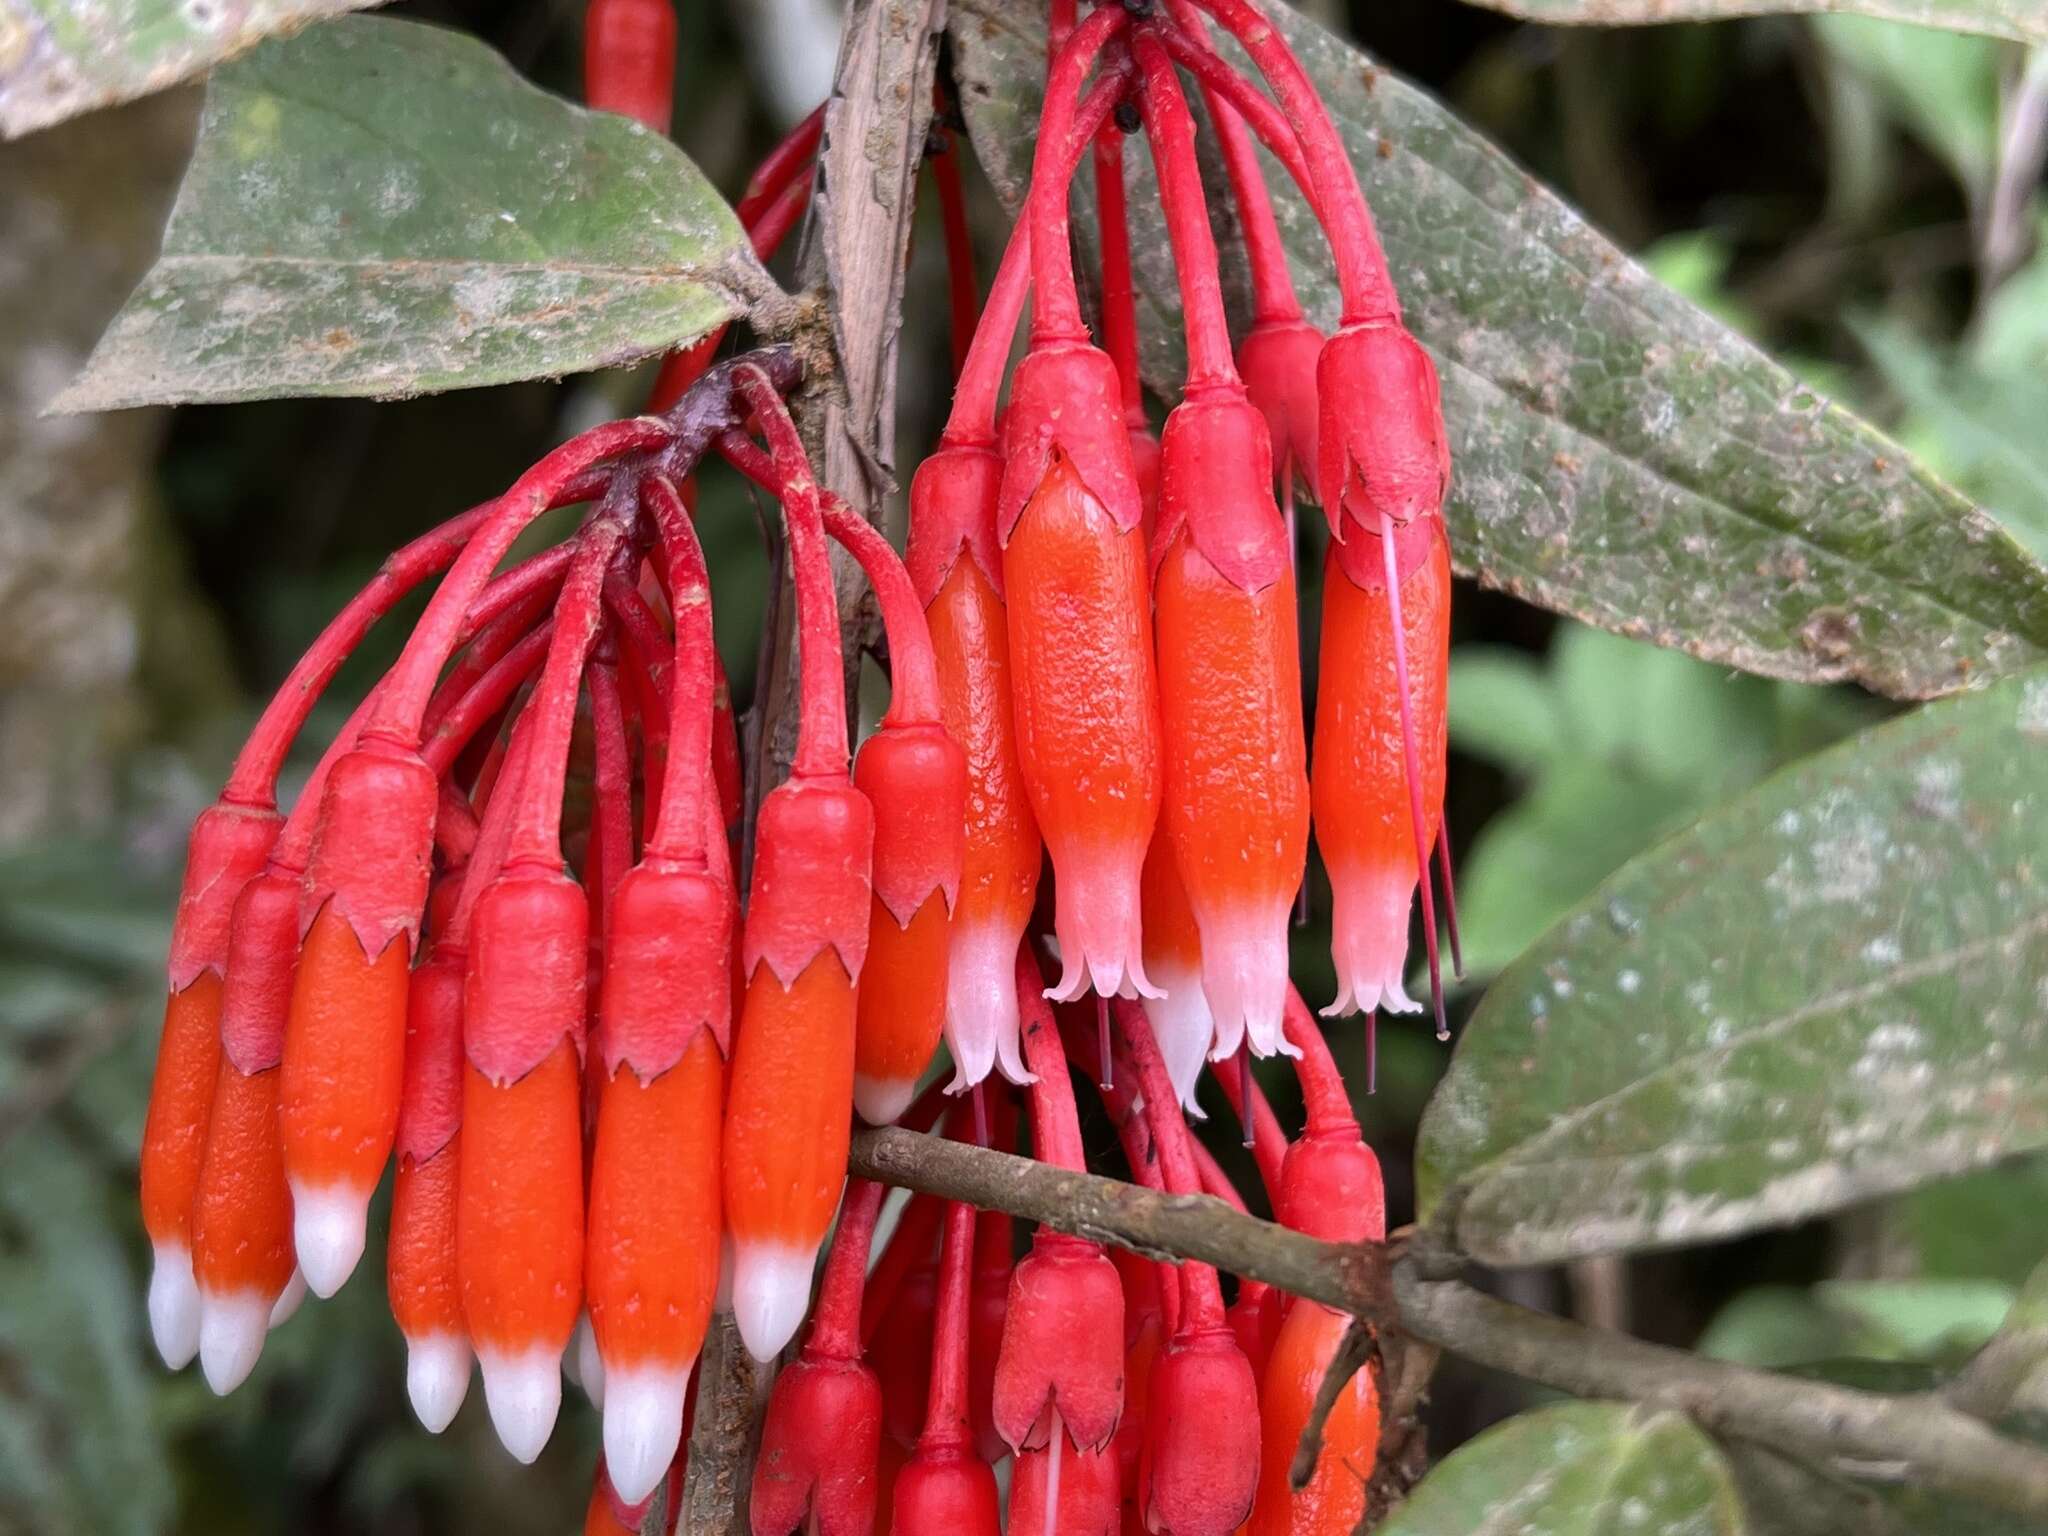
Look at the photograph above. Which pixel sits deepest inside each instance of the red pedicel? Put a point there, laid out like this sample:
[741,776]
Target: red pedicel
[629,59]
[1061,1364]
[946,1486]
[821,1439]
[994,1262]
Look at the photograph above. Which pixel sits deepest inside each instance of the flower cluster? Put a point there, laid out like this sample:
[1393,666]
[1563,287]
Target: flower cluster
[619,1090]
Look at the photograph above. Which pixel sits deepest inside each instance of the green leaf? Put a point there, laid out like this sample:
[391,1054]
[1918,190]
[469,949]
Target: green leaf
[1772,1327]
[2023,20]
[383,208]
[59,58]
[1619,455]
[1623,742]
[1926,1320]
[1826,990]
[1578,1469]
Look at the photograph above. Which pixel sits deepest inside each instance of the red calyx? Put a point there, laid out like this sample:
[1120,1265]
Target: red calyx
[1065,399]
[915,778]
[1216,484]
[430,1105]
[820,1443]
[528,971]
[1383,447]
[1063,1346]
[667,966]
[814,847]
[227,849]
[373,845]
[263,952]
[1330,1188]
[1202,1436]
[953,498]
[1277,361]
[1330,1184]
[1063,1337]
[951,1490]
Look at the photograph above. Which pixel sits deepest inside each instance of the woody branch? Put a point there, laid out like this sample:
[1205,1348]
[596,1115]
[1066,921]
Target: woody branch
[1413,1291]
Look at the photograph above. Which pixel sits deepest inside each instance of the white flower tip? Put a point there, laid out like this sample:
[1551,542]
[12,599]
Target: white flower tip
[881,1100]
[231,1329]
[523,1391]
[436,1378]
[771,1292]
[643,1424]
[327,1234]
[174,1305]
[587,1369]
[289,1300]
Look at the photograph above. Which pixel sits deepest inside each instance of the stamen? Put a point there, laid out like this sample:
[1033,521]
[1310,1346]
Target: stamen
[1411,759]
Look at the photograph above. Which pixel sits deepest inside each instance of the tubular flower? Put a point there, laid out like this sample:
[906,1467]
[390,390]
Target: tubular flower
[1084,688]
[1360,783]
[805,942]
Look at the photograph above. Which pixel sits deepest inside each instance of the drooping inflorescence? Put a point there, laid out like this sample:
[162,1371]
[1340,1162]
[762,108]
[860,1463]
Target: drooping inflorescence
[510,939]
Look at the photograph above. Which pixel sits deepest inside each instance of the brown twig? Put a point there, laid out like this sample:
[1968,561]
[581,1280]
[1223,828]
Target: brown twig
[1939,1447]
[1351,1278]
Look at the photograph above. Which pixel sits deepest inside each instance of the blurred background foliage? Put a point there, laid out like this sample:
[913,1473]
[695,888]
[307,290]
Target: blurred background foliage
[1859,198]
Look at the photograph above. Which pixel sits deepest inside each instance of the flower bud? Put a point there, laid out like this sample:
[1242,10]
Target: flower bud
[820,1444]
[1063,1346]
[1382,442]
[1202,1437]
